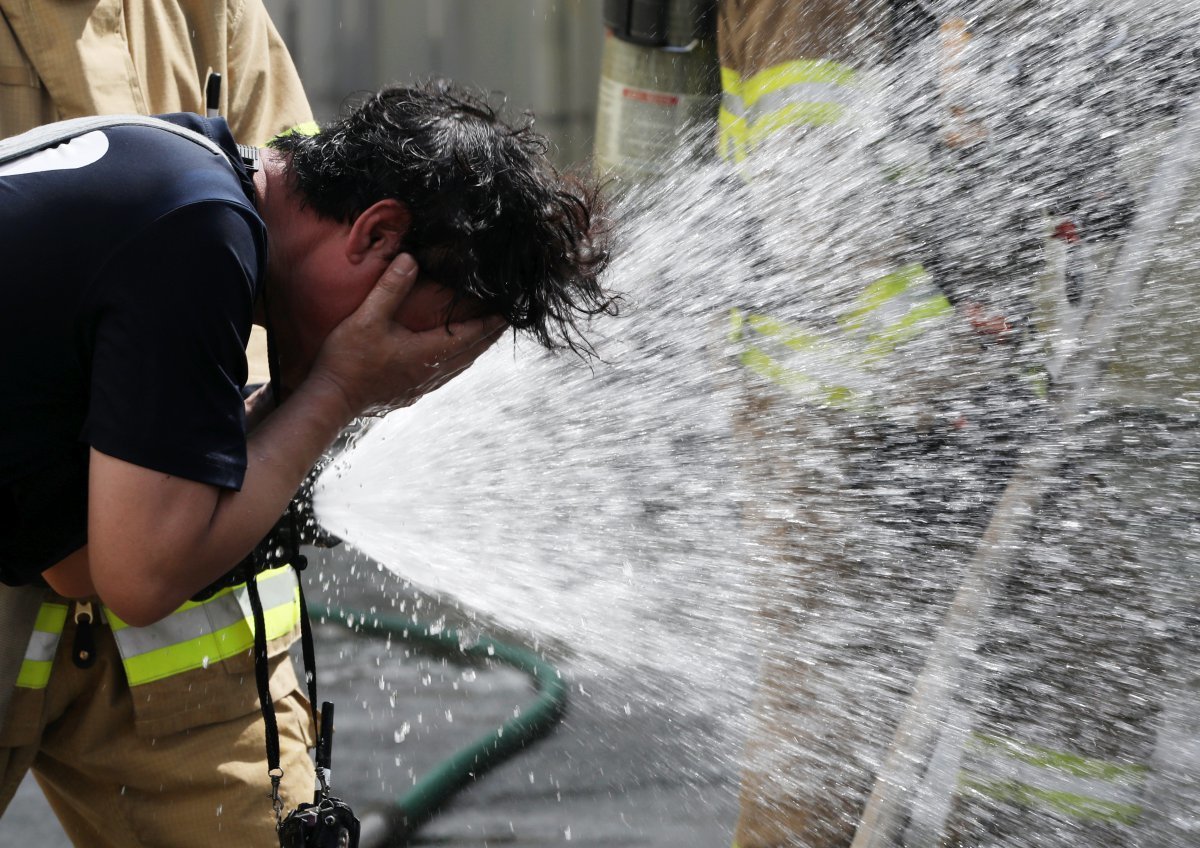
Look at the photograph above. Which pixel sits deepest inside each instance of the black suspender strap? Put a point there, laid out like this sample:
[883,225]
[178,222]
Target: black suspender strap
[262,677]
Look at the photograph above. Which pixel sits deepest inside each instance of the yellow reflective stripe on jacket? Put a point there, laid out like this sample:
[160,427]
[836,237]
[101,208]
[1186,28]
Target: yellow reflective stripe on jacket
[1084,788]
[751,332]
[43,643]
[199,633]
[306,128]
[881,344]
[888,287]
[890,311]
[922,304]
[804,92]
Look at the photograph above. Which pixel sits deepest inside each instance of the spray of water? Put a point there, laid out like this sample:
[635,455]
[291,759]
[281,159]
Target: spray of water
[961,568]
[592,504]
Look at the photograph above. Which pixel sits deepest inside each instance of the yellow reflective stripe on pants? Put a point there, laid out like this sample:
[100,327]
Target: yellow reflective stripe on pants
[882,344]
[43,643]
[756,334]
[1015,772]
[199,633]
[886,288]
[804,92]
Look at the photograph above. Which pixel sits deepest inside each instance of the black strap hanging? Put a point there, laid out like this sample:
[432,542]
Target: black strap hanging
[327,820]
[262,676]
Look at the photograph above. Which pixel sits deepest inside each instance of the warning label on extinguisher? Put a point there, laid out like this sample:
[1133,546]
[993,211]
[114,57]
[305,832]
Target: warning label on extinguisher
[657,98]
[639,128]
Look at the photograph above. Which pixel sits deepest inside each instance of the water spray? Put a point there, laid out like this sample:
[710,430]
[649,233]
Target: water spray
[928,726]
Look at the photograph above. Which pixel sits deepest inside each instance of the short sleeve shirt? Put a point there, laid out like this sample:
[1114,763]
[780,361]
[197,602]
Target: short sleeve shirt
[132,258]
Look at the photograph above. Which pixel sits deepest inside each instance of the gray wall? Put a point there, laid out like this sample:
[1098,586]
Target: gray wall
[544,54]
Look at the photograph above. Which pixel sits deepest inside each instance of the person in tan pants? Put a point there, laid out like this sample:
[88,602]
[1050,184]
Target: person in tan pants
[1065,719]
[167,761]
[858,372]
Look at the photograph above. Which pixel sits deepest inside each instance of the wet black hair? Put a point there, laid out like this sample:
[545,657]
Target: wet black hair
[492,218]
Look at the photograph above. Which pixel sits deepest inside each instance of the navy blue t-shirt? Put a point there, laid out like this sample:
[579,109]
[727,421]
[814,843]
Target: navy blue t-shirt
[131,261]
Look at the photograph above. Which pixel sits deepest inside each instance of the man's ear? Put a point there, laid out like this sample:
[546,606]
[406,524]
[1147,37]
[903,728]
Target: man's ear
[378,233]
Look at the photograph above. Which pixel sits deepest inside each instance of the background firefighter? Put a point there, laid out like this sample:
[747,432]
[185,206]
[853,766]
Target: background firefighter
[912,120]
[864,406]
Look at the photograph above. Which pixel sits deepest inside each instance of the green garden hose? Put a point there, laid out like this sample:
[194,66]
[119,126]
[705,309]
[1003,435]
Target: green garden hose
[395,824]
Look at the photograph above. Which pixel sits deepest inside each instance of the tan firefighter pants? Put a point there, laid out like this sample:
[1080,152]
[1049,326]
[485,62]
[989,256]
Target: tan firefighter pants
[109,786]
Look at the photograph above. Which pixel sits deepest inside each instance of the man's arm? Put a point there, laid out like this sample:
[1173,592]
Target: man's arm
[156,539]
[150,521]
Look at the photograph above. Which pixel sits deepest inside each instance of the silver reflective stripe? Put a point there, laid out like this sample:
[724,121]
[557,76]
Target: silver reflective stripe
[1010,771]
[275,591]
[42,646]
[801,93]
[192,623]
[831,362]
[1122,791]
[182,626]
[733,104]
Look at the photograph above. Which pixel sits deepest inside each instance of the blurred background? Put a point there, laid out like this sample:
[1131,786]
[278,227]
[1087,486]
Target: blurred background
[543,54]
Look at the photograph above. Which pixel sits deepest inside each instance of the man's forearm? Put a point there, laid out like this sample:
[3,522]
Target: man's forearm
[280,454]
[156,540]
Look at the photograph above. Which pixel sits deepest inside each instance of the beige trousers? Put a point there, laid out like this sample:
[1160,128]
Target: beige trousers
[845,612]
[110,786]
